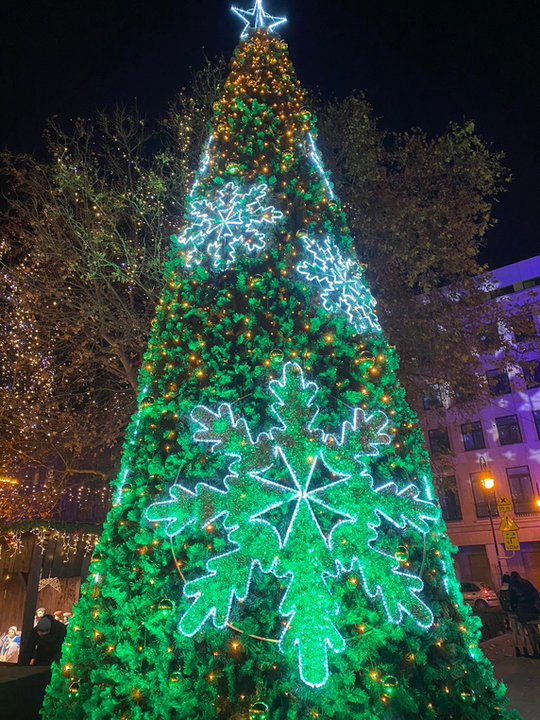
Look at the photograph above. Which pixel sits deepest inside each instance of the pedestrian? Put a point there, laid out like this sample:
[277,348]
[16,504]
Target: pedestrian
[44,644]
[525,603]
[520,641]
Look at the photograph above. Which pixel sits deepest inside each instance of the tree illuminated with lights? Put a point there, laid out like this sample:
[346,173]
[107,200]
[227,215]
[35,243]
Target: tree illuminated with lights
[274,549]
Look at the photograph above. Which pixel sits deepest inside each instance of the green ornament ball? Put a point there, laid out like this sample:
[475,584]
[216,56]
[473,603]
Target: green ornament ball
[175,677]
[390,683]
[467,696]
[259,711]
[166,606]
[402,554]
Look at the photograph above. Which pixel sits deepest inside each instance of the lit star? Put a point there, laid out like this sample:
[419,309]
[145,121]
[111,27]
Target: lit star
[257,18]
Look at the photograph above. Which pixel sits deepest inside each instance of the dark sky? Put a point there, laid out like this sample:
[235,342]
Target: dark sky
[421,63]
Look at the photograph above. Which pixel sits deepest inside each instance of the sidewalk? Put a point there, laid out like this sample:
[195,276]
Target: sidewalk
[520,675]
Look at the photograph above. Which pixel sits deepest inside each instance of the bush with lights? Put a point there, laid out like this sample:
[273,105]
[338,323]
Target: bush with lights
[274,551]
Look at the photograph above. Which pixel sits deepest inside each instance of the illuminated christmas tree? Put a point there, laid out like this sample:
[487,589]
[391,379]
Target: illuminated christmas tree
[275,550]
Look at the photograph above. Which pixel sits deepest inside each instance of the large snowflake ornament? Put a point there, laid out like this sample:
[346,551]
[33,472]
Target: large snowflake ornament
[218,228]
[298,503]
[341,282]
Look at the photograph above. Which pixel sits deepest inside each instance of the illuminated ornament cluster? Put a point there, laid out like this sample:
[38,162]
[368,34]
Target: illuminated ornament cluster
[298,503]
[235,220]
[257,19]
[341,283]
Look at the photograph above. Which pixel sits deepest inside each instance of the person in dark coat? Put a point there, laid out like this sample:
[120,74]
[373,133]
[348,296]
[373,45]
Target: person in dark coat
[44,644]
[525,603]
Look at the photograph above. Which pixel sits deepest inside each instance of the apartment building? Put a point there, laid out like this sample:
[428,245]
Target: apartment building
[502,437]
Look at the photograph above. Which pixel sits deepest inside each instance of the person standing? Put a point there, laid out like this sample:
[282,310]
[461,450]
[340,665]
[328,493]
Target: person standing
[525,603]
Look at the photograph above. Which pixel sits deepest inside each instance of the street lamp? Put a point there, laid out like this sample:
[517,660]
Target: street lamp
[488,483]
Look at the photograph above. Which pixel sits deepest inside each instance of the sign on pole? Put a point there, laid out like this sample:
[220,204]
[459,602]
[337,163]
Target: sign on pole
[507,524]
[504,505]
[511,540]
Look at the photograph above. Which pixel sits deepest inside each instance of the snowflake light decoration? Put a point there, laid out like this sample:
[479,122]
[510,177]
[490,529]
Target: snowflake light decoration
[341,282]
[219,227]
[298,503]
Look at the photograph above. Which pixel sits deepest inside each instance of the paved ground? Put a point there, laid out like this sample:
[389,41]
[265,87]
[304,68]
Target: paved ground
[520,675]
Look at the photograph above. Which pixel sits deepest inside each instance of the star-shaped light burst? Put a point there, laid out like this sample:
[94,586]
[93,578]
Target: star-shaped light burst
[257,18]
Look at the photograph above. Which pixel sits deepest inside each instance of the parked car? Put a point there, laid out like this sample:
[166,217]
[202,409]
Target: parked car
[479,594]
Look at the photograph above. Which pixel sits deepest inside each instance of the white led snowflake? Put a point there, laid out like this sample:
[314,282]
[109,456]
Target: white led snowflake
[341,282]
[298,503]
[218,228]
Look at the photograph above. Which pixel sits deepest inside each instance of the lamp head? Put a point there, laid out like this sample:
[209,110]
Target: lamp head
[487,480]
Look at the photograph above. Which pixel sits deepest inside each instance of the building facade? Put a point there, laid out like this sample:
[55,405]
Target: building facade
[502,436]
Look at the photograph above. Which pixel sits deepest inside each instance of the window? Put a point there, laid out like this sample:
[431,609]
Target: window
[524,327]
[521,488]
[532,282]
[489,336]
[473,436]
[499,382]
[448,495]
[438,441]
[508,429]
[433,398]
[531,372]
[536,416]
[483,499]
[500,291]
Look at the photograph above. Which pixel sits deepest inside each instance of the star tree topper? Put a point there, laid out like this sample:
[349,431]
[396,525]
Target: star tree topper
[298,503]
[257,18]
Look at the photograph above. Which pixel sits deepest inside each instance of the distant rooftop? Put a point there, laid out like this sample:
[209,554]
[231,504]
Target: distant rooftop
[519,276]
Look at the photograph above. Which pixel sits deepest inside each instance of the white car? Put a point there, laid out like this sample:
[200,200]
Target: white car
[479,594]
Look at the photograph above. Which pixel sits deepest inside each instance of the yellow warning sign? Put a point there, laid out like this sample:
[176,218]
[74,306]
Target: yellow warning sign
[508,524]
[511,540]
[504,505]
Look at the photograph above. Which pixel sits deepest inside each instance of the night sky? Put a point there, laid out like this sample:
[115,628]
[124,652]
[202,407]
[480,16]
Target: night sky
[421,63]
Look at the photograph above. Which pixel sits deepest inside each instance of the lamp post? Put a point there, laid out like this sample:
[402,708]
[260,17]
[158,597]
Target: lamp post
[488,483]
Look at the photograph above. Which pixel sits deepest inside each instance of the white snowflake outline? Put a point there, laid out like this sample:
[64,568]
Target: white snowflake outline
[340,281]
[227,434]
[218,229]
